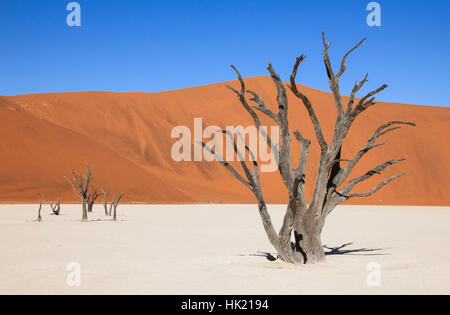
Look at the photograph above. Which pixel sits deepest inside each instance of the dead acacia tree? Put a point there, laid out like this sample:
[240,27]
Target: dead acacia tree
[105,192]
[113,208]
[56,208]
[91,198]
[303,221]
[80,185]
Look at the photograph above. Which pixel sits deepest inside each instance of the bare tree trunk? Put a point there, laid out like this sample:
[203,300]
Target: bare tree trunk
[114,204]
[110,209]
[91,198]
[85,210]
[39,218]
[270,231]
[308,242]
[115,213]
[105,200]
[57,207]
[309,245]
[288,253]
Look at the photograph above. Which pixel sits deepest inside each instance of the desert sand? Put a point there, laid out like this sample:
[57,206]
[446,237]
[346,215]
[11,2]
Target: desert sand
[126,138]
[220,249]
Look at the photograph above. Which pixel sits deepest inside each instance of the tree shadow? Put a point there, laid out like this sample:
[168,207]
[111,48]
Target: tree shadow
[340,250]
[266,255]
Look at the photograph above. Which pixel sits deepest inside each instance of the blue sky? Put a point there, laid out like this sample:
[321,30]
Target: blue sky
[148,46]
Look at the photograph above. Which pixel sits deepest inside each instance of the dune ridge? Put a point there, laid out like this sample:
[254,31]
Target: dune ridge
[126,138]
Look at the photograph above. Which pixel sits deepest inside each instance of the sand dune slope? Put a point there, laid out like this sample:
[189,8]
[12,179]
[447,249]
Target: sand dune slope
[127,139]
[46,153]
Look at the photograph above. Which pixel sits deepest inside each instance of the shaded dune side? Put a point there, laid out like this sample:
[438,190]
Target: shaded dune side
[133,130]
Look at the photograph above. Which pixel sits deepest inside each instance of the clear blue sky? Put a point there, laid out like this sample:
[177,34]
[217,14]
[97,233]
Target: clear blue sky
[146,45]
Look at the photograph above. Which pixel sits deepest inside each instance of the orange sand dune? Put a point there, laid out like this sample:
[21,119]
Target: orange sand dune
[127,139]
[38,154]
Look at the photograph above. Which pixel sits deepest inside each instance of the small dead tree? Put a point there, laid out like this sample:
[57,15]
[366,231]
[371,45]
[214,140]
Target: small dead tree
[113,208]
[80,185]
[303,222]
[91,198]
[56,208]
[105,192]
[39,218]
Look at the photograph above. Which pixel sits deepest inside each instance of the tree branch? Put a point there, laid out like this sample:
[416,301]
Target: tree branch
[119,198]
[300,171]
[374,171]
[326,58]
[334,79]
[343,66]
[281,93]
[355,90]
[262,107]
[241,96]
[375,189]
[380,131]
[93,196]
[366,102]
[250,176]
[227,165]
[305,143]
[306,102]
[73,186]
[286,170]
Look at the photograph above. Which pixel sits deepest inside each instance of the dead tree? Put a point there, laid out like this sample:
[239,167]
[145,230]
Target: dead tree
[56,208]
[113,208]
[80,185]
[105,192]
[303,221]
[91,198]
[39,218]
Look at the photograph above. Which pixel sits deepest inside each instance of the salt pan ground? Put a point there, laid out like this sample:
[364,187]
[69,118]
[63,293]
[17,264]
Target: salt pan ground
[220,249]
